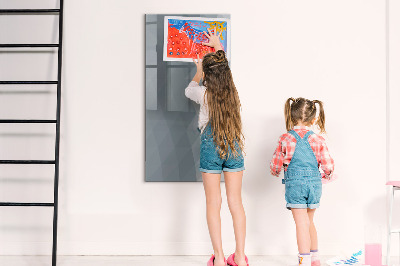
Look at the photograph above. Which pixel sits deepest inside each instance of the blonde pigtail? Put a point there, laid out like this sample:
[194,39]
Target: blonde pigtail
[288,114]
[321,116]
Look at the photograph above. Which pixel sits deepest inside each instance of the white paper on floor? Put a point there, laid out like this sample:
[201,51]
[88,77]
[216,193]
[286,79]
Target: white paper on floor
[350,258]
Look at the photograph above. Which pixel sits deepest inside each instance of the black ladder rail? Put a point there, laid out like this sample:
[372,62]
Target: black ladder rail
[28,45]
[27,161]
[57,146]
[30,11]
[28,204]
[27,121]
[3,82]
[56,121]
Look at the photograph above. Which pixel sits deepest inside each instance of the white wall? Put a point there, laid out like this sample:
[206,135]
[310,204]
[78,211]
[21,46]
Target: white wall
[394,110]
[333,51]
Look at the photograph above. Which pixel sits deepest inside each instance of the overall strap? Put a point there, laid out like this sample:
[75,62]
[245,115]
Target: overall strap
[308,134]
[303,164]
[294,133]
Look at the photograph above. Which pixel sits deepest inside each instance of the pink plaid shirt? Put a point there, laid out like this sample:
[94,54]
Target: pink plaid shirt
[287,144]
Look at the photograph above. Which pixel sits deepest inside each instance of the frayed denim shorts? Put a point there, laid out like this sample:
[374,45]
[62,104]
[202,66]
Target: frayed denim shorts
[303,192]
[210,160]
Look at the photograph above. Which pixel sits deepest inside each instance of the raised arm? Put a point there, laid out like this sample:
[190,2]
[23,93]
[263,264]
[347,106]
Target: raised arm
[194,91]
[213,39]
[199,73]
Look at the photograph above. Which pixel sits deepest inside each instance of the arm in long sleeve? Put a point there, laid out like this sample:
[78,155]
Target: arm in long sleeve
[277,159]
[195,92]
[326,162]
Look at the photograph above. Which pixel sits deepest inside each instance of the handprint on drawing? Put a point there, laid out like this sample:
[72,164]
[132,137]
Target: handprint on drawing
[183,37]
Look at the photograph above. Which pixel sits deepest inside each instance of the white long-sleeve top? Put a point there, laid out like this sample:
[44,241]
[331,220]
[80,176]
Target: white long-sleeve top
[196,93]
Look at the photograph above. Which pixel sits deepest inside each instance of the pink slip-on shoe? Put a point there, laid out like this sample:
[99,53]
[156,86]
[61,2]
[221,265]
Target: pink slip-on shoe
[231,260]
[211,261]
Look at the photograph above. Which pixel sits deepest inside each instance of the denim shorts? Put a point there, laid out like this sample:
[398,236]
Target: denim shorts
[303,193]
[210,160]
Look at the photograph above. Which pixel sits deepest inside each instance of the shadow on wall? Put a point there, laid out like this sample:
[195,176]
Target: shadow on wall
[259,187]
[263,193]
[375,213]
[376,221]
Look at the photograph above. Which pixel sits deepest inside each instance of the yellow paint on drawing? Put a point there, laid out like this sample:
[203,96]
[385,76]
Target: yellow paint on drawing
[219,26]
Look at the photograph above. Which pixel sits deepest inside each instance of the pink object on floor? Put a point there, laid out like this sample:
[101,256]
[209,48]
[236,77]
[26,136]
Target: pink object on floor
[333,178]
[393,183]
[373,254]
[211,261]
[231,260]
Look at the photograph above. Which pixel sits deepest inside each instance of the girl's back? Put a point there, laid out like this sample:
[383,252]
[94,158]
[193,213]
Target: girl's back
[287,146]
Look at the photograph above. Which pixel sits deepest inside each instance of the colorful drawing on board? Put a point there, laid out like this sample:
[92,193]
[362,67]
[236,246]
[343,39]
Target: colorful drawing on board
[183,37]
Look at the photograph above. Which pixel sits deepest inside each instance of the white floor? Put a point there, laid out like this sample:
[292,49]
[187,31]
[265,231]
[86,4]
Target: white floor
[135,260]
[143,260]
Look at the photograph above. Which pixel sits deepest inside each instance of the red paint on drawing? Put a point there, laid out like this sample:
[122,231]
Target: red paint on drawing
[181,46]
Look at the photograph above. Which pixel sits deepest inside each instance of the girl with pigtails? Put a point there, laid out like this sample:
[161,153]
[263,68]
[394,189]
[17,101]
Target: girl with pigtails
[302,154]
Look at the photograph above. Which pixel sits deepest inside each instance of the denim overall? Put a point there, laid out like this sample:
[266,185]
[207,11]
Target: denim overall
[211,162]
[302,181]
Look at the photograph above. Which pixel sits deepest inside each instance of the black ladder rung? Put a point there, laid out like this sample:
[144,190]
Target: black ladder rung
[28,204]
[29,82]
[27,161]
[27,121]
[33,45]
[6,11]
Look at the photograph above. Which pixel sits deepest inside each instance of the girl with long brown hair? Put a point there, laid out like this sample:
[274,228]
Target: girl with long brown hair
[221,147]
[302,153]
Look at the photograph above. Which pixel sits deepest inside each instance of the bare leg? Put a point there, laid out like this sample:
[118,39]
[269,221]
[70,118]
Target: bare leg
[302,221]
[212,190]
[233,184]
[313,230]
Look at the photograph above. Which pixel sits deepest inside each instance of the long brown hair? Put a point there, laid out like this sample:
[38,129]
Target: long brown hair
[303,110]
[223,104]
